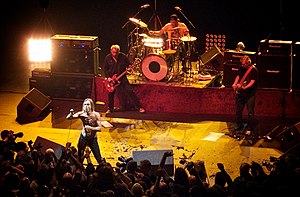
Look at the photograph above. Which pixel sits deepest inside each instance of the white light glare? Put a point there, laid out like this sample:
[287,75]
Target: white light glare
[40,50]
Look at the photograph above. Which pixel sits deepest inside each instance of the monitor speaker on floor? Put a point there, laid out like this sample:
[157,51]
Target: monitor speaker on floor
[213,57]
[34,106]
[43,144]
[289,138]
[155,156]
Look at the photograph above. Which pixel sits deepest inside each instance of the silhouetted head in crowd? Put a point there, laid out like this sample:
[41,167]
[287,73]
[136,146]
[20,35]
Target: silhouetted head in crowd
[132,166]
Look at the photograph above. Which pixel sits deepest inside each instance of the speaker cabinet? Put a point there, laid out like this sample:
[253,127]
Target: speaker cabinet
[155,156]
[229,74]
[72,87]
[213,57]
[33,106]
[75,61]
[289,138]
[234,57]
[274,72]
[43,84]
[43,144]
[296,68]
[75,54]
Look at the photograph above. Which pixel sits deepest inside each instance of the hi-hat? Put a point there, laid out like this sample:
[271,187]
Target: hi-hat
[188,38]
[138,22]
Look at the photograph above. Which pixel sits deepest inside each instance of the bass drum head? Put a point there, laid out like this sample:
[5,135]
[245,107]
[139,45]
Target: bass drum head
[154,67]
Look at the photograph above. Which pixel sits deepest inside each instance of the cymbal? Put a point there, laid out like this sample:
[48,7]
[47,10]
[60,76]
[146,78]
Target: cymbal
[188,38]
[144,35]
[138,22]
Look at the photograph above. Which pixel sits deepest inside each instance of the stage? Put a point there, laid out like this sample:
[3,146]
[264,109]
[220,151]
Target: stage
[199,98]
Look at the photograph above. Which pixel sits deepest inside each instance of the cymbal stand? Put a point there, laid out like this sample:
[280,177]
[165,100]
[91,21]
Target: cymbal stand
[188,57]
[155,17]
[126,25]
[189,51]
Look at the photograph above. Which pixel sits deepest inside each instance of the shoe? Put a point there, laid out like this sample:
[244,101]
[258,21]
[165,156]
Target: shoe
[142,110]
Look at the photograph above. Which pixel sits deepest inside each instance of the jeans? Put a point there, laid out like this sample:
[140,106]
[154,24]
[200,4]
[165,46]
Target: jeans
[92,142]
[240,103]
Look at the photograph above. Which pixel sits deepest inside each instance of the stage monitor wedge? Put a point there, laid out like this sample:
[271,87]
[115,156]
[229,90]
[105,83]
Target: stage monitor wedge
[34,106]
[155,156]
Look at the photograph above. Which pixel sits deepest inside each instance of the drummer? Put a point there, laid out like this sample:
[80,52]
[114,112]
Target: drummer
[174,30]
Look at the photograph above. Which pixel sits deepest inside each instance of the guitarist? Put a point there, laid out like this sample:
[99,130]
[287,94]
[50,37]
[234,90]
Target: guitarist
[245,87]
[115,64]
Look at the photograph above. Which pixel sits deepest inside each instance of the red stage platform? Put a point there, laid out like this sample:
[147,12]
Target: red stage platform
[167,98]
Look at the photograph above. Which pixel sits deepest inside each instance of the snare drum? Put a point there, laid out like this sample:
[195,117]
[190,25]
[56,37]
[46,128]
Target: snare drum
[154,67]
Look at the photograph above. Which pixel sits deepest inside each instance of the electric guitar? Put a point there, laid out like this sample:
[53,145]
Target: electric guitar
[238,90]
[242,81]
[113,82]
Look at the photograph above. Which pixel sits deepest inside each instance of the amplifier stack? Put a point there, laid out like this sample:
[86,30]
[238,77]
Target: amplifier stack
[232,64]
[74,65]
[274,63]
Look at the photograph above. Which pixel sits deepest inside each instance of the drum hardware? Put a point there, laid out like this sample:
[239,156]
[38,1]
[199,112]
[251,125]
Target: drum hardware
[188,42]
[144,35]
[138,22]
[188,38]
[170,47]
[153,42]
[155,17]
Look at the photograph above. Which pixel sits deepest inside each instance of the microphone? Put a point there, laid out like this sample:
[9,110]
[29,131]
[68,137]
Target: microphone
[178,8]
[70,115]
[145,6]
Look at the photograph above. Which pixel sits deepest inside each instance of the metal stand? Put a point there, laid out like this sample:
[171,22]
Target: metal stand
[129,37]
[155,17]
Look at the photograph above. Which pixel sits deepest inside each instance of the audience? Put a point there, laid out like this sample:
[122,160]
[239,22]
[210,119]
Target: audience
[27,171]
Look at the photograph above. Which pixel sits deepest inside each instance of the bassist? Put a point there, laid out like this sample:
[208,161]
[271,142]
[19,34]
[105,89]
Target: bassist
[116,63]
[245,87]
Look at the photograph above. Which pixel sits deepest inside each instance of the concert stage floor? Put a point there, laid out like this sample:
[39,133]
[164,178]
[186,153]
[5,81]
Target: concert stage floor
[195,139]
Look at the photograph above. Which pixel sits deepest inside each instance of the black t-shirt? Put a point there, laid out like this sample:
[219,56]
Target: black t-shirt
[253,75]
[111,67]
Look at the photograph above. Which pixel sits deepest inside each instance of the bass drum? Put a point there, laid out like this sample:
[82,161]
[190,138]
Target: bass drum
[154,67]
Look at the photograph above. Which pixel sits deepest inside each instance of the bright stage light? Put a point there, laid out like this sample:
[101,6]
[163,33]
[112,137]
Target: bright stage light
[212,40]
[40,50]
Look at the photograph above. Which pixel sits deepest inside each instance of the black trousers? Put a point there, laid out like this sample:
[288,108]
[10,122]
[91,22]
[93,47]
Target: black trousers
[241,102]
[126,95]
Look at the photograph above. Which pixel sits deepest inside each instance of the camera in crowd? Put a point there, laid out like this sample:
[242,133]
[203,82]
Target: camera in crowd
[18,135]
[271,163]
[123,162]
[6,133]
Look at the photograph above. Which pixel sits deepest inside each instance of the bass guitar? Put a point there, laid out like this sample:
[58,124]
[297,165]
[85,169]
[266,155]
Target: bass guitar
[238,90]
[111,83]
[242,81]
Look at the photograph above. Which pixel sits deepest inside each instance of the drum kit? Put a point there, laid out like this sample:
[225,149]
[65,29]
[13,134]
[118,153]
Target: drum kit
[154,51]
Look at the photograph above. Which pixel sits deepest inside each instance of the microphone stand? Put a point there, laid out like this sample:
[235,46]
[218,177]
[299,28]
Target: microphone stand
[126,24]
[180,10]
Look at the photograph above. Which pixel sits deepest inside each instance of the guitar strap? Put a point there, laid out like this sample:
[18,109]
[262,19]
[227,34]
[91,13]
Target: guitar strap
[246,74]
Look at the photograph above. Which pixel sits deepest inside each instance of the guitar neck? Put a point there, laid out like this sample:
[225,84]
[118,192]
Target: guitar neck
[121,75]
